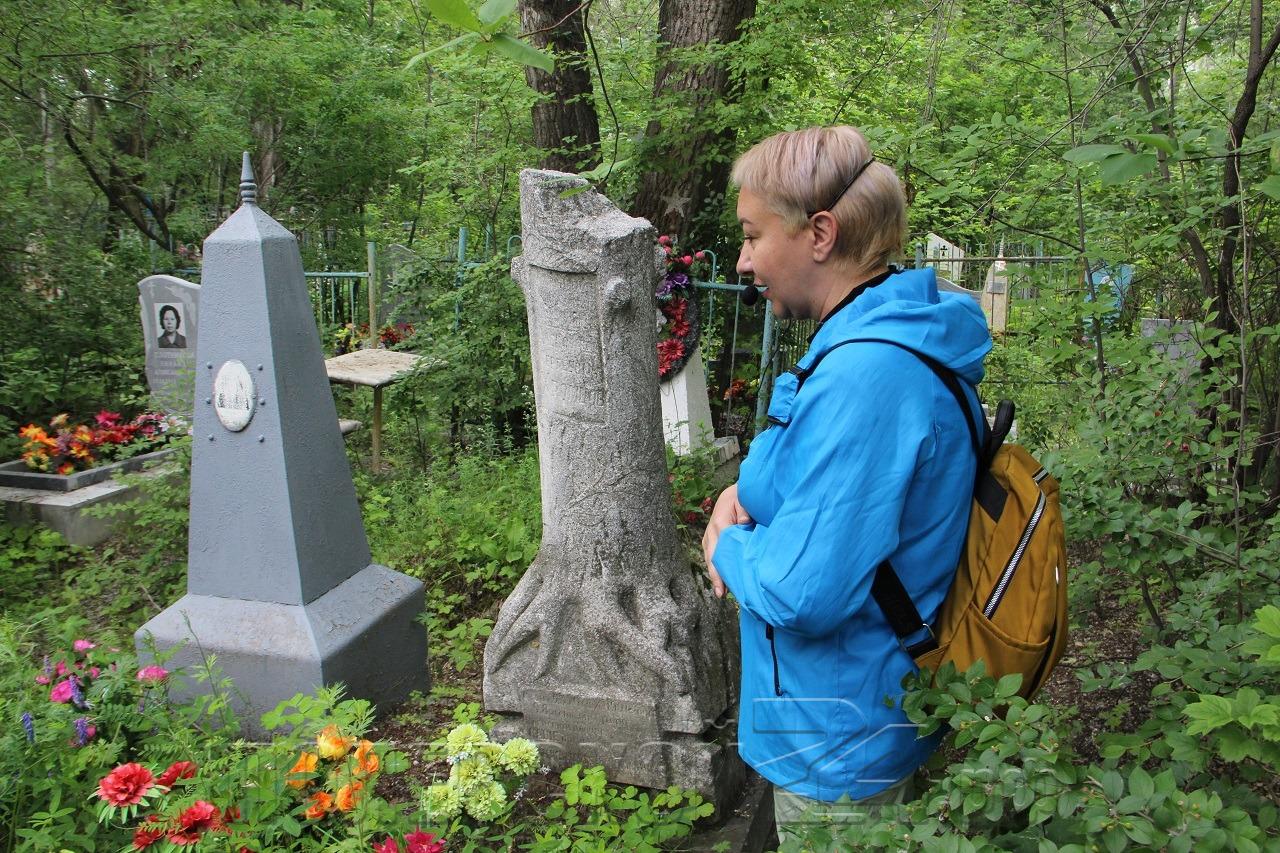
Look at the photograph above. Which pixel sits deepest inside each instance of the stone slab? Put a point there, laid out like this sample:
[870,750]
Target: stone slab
[373,368]
[363,633]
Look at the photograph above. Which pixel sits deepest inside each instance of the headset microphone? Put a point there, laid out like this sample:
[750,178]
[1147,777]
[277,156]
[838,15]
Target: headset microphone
[749,295]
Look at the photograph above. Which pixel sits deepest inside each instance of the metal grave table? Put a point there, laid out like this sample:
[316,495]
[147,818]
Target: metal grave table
[376,369]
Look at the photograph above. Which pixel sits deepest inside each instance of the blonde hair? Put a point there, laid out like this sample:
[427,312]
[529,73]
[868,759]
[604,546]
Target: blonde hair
[799,172]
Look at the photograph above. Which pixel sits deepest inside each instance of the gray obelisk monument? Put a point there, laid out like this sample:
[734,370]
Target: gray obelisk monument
[612,649]
[279,581]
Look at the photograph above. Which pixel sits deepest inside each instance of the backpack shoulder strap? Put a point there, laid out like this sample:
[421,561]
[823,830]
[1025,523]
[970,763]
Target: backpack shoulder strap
[914,634]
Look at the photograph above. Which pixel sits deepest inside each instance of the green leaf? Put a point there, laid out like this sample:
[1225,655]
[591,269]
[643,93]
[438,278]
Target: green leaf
[1112,785]
[1119,168]
[1093,153]
[1210,713]
[452,43]
[523,53]
[1156,140]
[1041,810]
[456,13]
[1268,618]
[1141,784]
[495,10]
[1008,685]
[1271,186]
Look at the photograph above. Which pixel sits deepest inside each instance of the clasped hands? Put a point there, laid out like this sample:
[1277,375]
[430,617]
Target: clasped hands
[726,513]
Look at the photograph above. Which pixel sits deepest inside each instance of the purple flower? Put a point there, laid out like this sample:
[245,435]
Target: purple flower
[29,726]
[48,667]
[84,731]
[77,695]
[678,279]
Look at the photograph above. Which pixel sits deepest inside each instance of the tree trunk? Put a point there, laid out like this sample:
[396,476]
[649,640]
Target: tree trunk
[565,125]
[688,164]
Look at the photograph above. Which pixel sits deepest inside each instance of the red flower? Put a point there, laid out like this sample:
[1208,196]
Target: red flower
[388,846]
[148,833]
[423,842]
[177,770]
[199,818]
[691,517]
[126,785]
[707,505]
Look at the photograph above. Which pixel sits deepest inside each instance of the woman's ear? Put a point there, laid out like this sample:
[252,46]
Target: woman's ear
[825,233]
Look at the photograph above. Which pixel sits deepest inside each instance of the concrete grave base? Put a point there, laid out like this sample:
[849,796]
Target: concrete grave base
[708,763]
[363,633]
[66,512]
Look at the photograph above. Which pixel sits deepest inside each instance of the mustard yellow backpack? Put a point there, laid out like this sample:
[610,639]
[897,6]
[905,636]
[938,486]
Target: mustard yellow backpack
[1008,603]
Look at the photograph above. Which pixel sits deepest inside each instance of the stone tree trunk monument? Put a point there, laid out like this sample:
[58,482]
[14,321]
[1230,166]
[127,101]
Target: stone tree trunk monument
[280,586]
[611,650]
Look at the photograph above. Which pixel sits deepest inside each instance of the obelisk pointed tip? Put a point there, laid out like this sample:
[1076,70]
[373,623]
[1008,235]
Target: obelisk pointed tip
[248,185]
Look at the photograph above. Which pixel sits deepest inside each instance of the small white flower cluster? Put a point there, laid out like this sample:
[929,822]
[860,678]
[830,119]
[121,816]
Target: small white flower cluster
[475,765]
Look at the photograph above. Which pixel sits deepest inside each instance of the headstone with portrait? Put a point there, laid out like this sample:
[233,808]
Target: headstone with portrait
[170,321]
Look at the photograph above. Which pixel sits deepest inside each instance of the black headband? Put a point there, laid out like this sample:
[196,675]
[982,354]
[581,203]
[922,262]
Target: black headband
[845,188]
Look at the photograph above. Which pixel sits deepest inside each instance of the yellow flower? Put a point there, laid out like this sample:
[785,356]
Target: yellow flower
[306,764]
[59,421]
[332,744]
[366,758]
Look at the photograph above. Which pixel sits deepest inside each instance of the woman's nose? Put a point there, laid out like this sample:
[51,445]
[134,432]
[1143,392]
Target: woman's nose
[744,261]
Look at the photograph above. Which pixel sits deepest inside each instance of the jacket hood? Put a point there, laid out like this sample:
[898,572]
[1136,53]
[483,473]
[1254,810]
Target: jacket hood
[907,308]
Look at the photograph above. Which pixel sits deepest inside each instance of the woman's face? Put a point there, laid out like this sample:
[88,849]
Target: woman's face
[170,321]
[778,260]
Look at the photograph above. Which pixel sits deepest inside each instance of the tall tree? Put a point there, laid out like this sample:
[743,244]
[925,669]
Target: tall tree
[687,166]
[565,125]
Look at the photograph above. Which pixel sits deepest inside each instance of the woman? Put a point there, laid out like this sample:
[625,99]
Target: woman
[170,321]
[869,460]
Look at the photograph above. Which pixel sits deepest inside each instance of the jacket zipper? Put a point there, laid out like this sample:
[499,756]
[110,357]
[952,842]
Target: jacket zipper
[1006,576]
[777,683]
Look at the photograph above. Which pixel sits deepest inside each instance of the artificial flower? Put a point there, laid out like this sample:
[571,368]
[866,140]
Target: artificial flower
[151,831]
[422,842]
[62,691]
[347,796]
[321,805]
[519,755]
[126,785]
[488,802]
[366,758]
[152,674]
[463,738]
[306,763]
[443,802]
[177,770]
[333,744]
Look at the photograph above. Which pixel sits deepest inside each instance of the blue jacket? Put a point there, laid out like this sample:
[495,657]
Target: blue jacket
[871,459]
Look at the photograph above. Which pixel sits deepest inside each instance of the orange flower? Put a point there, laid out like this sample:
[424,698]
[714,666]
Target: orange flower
[66,468]
[366,758]
[346,799]
[321,805]
[332,744]
[306,764]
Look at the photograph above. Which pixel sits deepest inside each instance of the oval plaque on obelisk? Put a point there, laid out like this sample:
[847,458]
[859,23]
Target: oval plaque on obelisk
[233,395]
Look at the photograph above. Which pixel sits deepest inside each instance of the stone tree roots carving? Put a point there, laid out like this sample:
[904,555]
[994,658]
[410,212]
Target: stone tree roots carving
[611,649]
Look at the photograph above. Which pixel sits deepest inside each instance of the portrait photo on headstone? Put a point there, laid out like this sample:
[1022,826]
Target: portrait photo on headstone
[169,320]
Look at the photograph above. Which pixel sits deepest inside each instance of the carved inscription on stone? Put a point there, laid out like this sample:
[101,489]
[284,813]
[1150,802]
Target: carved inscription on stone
[567,313]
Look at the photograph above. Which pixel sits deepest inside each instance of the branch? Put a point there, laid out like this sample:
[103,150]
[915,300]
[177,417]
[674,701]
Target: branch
[581,6]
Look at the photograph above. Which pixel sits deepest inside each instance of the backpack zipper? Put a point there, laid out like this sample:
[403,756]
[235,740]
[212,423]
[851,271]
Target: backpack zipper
[1007,575]
[768,635]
